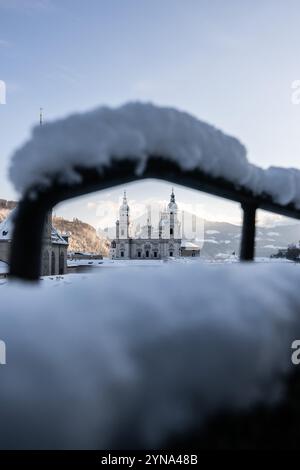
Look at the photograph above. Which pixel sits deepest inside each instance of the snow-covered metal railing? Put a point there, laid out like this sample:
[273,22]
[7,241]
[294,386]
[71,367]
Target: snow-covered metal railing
[106,147]
[27,240]
[148,363]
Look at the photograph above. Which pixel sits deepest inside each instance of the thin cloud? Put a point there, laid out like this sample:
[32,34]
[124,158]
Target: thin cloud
[4,42]
[26,4]
[65,74]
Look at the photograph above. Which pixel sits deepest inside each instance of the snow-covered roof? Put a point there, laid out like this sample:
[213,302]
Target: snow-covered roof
[189,245]
[137,130]
[120,361]
[56,237]
[7,226]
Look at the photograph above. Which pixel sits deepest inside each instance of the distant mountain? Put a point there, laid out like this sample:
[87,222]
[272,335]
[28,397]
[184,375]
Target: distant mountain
[222,239]
[82,236]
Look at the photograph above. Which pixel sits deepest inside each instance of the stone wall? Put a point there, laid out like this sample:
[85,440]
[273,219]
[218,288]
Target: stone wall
[4,250]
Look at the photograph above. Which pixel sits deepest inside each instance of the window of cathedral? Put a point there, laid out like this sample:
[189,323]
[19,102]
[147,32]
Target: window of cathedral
[45,269]
[155,254]
[139,254]
[147,254]
[61,263]
[171,231]
[122,254]
[171,253]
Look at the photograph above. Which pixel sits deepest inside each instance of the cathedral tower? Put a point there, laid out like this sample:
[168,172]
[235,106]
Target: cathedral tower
[172,212]
[124,219]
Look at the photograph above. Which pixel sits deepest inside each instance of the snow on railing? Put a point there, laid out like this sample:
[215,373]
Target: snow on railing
[131,369]
[129,360]
[139,131]
[105,147]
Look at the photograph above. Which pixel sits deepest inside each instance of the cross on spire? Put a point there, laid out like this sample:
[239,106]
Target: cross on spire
[172,195]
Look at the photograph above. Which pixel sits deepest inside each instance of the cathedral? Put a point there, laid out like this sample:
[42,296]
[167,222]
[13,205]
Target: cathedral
[153,243]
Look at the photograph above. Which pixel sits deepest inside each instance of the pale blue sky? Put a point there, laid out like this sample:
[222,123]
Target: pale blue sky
[230,63]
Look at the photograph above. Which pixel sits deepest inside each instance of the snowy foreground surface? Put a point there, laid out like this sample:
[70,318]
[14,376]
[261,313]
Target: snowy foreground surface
[126,357]
[137,131]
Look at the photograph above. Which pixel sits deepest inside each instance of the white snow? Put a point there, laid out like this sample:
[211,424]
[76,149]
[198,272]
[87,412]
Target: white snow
[272,247]
[136,131]
[56,237]
[189,245]
[212,232]
[210,240]
[83,262]
[6,226]
[111,362]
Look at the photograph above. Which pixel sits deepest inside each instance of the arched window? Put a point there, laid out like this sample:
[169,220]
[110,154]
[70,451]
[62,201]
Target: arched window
[45,264]
[147,253]
[53,271]
[61,263]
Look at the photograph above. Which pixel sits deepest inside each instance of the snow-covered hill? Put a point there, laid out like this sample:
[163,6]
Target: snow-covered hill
[222,239]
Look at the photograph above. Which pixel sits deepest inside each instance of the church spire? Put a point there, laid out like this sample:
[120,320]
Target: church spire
[172,206]
[172,199]
[124,218]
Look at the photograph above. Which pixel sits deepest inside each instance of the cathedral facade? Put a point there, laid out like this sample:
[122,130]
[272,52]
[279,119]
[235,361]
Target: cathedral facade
[153,243]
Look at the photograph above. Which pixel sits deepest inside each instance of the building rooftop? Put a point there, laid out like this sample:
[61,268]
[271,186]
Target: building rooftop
[189,245]
[7,226]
